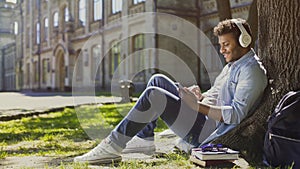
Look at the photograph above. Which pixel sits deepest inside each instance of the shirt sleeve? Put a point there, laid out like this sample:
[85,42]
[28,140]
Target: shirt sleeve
[213,92]
[248,89]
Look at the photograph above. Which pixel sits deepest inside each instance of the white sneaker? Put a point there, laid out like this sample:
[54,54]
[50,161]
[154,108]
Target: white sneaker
[184,146]
[105,152]
[139,145]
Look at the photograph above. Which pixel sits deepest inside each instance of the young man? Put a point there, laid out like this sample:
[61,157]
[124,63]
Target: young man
[234,95]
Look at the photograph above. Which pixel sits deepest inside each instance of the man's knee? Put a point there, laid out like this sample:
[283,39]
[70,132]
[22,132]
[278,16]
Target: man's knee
[156,78]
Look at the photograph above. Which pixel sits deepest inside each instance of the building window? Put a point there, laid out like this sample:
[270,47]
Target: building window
[82,12]
[38,33]
[28,7]
[97,10]
[12,1]
[138,1]
[139,59]
[27,74]
[45,70]
[86,57]
[55,20]
[115,57]
[46,24]
[16,28]
[95,71]
[27,37]
[37,4]
[35,72]
[79,66]
[116,6]
[67,15]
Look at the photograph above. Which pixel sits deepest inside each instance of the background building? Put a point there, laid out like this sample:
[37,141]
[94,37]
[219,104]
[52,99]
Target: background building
[9,29]
[81,43]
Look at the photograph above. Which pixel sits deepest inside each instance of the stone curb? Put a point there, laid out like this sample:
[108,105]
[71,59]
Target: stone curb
[19,113]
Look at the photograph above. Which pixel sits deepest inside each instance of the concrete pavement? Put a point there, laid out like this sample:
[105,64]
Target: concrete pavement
[15,105]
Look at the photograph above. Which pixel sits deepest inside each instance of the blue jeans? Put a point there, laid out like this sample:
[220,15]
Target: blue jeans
[159,99]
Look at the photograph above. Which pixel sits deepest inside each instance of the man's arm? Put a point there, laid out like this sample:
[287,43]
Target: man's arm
[214,112]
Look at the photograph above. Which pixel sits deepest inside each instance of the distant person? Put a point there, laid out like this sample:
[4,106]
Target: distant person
[235,95]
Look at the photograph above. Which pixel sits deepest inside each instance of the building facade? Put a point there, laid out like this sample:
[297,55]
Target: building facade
[95,43]
[8,67]
[9,30]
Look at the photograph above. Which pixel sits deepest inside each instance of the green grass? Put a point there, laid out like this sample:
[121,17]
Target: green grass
[70,133]
[61,133]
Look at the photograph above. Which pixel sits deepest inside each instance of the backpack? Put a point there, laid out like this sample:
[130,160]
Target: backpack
[282,139]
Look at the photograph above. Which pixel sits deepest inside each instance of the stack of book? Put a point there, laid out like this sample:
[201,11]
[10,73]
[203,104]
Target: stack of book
[212,158]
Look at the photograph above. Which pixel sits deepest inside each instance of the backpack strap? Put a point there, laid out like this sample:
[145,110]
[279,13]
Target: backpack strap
[287,99]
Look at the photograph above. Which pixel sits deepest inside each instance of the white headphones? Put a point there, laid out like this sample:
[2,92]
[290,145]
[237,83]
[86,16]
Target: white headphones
[244,39]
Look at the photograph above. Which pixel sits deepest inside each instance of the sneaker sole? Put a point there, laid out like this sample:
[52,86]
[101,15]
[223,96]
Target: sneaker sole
[104,161]
[144,150]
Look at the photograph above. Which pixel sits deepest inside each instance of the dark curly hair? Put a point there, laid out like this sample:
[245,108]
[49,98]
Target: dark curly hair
[228,26]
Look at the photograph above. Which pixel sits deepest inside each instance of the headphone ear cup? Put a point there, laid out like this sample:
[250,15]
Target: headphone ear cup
[245,40]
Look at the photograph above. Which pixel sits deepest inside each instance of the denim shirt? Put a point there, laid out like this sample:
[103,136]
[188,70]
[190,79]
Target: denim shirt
[238,90]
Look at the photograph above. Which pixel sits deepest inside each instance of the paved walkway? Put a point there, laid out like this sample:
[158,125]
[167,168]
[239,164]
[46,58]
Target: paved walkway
[33,101]
[16,105]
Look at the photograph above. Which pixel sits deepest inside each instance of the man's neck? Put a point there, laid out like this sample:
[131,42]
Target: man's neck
[245,51]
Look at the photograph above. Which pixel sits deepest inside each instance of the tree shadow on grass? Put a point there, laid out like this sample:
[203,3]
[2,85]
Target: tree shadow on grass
[35,128]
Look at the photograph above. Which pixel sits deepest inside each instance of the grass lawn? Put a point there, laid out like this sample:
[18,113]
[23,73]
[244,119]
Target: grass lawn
[62,135]
[72,132]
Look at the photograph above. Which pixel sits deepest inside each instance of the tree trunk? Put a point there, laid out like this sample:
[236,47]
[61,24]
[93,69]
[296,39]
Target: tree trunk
[224,9]
[278,33]
[253,21]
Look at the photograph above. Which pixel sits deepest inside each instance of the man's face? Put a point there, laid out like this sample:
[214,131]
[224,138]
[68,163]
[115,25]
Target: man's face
[230,48]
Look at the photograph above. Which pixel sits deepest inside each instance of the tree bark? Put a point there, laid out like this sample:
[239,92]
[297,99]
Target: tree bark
[279,39]
[224,9]
[253,21]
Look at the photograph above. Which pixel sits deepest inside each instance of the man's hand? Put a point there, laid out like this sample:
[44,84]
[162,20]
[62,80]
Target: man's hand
[197,91]
[193,102]
[189,97]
